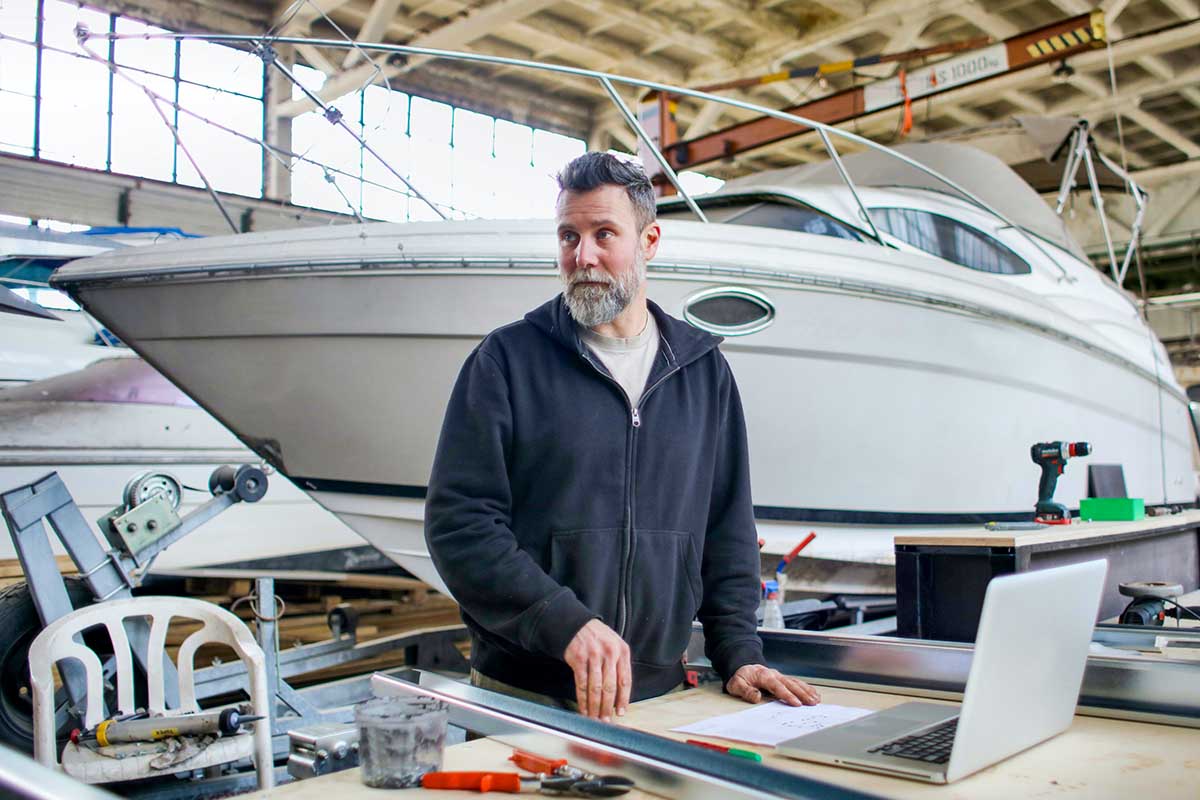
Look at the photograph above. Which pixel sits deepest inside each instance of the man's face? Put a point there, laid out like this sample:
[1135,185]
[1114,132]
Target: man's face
[602,253]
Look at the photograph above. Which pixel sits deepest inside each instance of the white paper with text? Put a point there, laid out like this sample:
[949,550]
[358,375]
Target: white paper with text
[774,722]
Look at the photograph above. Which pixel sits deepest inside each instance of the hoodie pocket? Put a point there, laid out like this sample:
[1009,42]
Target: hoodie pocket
[589,563]
[664,596]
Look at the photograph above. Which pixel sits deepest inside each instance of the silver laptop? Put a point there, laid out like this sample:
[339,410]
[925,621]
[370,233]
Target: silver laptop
[1030,653]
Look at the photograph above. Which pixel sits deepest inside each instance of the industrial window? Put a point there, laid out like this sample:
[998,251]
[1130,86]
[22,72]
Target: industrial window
[469,164]
[729,310]
[766,214]
[949,239]
[59,104]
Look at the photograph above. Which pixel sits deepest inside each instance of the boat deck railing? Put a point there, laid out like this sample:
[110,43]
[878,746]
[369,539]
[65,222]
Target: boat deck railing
[264,46]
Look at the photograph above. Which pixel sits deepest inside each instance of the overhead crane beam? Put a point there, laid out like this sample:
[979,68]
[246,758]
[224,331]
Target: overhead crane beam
[1048,43]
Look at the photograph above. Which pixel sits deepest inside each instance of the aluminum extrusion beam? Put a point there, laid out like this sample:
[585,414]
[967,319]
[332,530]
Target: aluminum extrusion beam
[25,779]
[1146,689]
[657,764]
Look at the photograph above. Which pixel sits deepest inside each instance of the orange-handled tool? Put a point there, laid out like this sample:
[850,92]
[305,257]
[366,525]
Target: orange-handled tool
[479,781]
[540,765]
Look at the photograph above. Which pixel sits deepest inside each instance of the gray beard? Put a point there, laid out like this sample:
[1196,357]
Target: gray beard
[596,305]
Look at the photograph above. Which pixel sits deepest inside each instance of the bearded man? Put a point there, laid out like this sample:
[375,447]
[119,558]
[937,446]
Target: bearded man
[590,495]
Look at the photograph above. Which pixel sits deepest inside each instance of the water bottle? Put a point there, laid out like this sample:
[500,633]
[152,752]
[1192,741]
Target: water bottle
[773,607]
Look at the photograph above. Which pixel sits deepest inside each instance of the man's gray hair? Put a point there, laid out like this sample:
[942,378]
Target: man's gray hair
[593,170]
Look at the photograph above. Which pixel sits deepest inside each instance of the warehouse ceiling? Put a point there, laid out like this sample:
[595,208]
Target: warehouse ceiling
[695,42]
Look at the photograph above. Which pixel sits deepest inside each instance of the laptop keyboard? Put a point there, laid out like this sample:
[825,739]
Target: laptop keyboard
[932,746]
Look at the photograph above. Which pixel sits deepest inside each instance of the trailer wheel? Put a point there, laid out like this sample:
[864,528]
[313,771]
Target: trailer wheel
[19,626]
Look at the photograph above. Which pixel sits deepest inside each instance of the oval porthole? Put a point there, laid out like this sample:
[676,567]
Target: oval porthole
[729,310]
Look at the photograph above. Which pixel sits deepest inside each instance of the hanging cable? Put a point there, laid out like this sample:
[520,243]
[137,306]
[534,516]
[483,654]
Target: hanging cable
[274,151]
[267,53]
[81,35]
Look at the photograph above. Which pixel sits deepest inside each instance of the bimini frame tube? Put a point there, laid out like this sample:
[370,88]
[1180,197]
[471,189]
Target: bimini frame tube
[255,42]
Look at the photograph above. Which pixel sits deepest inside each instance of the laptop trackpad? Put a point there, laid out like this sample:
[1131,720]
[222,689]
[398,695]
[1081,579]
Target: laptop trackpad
[873,729]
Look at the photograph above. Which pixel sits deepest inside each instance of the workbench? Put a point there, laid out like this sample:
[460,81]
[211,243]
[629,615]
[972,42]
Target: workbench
[941,578]
[1095,758]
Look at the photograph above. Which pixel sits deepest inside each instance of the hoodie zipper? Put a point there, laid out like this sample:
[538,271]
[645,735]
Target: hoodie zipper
[627,542]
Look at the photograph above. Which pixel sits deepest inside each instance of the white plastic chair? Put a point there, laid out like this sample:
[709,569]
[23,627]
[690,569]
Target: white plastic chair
[57,642]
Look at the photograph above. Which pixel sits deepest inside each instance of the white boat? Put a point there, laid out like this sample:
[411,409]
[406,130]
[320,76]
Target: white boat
[37,341]
[100,426]
[884,388]
[78,402]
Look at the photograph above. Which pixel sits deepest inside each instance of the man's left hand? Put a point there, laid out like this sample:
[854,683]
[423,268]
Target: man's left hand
[751,680]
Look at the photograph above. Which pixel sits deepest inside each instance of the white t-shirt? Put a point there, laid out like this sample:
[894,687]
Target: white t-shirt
[629,360]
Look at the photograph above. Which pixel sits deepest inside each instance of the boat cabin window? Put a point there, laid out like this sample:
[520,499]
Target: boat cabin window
[949,239]
[766,214]
[729,310]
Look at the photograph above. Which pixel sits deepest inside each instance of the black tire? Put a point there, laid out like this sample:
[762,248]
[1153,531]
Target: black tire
[19,626]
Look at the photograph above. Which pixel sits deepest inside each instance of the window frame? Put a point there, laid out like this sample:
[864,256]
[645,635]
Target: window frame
[989,238]
[742,292]
[753,198]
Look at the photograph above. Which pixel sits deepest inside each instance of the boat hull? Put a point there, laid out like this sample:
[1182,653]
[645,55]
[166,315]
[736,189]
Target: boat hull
[884,395]
[97,447]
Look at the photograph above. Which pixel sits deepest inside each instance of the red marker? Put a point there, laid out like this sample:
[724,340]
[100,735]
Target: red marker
[796,551]
[749,755]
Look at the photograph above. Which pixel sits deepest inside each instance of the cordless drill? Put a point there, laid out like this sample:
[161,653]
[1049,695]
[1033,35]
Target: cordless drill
[1052,457]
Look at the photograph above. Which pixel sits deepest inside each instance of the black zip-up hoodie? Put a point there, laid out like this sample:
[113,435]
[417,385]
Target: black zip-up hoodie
[553,501]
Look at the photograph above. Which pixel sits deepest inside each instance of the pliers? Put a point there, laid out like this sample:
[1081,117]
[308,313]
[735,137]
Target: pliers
[586,783]
[553,776]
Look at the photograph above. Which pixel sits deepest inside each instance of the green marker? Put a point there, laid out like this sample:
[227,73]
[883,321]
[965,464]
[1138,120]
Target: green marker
[749,755]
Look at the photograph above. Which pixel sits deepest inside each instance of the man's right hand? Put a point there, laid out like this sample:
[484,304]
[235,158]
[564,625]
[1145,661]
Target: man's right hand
[600,660]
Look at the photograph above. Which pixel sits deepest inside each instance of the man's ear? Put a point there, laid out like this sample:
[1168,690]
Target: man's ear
[650,237]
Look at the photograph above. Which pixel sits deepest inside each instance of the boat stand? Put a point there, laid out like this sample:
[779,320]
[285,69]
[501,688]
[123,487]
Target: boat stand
[138,533]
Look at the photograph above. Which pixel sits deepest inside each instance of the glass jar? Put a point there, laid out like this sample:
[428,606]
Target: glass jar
[399,740]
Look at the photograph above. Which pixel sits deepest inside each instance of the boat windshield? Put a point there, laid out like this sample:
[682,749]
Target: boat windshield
[950,239]
[765,212]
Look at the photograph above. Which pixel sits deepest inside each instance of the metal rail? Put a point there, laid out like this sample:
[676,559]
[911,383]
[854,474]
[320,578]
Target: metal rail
[1140,688]
[22,778]
[657,764]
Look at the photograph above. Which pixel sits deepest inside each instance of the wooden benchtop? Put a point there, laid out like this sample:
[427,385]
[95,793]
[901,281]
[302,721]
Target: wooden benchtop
[481,754]
[1095,758]
[1050,535]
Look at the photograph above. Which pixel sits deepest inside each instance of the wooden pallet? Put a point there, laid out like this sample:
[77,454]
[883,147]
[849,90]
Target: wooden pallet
[11,572]
[386,605]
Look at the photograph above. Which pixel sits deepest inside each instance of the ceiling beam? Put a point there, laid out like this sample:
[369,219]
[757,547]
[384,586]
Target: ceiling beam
[211,16]
[373,27]
[660,34]
[1040,74]
[1169,202]
[316,59]
[704,120]
[1113,9]
[460,32]
[777,50]
[1109,147]
[1127,105]
[603,53]
[1155,175]
[303,14]
[1184,9]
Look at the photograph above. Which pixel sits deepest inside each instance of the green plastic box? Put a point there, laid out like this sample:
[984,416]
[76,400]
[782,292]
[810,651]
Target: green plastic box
[1107,509]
